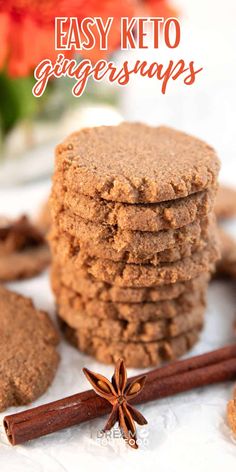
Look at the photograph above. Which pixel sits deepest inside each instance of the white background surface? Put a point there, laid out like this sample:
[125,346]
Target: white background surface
[189,431]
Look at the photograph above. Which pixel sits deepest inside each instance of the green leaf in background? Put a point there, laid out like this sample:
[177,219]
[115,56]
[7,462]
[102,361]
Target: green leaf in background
[16,101]
[18,104]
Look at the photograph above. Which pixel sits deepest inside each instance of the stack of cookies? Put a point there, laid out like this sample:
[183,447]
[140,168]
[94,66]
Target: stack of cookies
[133,240]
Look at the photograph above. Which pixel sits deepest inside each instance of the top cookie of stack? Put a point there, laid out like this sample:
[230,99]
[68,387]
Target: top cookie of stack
[133,240]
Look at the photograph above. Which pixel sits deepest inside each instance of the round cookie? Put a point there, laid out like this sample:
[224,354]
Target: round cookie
[111,243]
[225,205]
[86,285]
[137,331]
[25,264]
[18,234]
[146,275]
[43,220]
[136,163]
[134,354]
[226,266]
[27,350]
[150,217]
[23,250]
[71,304]
[187,242]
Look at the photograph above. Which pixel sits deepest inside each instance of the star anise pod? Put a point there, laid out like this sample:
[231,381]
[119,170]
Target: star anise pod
[118,392]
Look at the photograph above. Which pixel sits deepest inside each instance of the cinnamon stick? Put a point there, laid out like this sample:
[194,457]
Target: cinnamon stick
[176,377]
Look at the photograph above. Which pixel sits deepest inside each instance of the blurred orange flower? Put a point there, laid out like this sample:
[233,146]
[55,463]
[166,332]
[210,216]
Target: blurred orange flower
[27,27]
[160,8]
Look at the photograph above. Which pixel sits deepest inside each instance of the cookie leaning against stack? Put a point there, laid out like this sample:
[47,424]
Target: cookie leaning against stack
[133,240]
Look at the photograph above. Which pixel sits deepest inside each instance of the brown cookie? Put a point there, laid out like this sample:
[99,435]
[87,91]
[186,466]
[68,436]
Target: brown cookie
[150,217]
[137,331]
[227,264]
[134,247]
[43,220]
[86,285]
[18,234]
[27,350]
[23,250]
[69,247]
[134,354]
[145,275]
[225,205]
[25,264]
[71,304]
[231,414]
[136,163]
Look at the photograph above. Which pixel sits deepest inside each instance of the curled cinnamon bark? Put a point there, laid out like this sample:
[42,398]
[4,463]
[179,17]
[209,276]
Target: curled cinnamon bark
[210,368]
